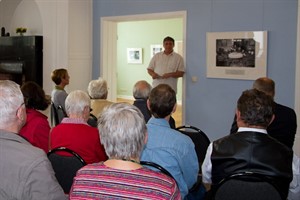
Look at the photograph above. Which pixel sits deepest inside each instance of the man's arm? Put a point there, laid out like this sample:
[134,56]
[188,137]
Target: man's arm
[41,182]
[190,166]
[207,166]
[176,74]
[153,74]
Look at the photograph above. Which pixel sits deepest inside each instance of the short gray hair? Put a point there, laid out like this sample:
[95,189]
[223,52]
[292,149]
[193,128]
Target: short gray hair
[76,101]
[11,98]
[122,131]
[97,89]
[141,90]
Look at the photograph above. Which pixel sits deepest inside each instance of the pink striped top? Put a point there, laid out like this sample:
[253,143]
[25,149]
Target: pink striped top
[97,181]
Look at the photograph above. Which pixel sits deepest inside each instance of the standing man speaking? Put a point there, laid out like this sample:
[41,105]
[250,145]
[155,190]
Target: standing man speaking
[166,66]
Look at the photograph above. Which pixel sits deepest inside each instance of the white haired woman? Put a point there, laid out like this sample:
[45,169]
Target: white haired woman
[123,134]
[98,91]
[74,132]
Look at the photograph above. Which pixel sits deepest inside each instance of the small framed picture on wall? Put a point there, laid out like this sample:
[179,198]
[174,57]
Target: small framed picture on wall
[155,48]
[134,55]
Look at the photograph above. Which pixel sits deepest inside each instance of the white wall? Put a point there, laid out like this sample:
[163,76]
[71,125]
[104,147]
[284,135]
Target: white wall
[66,29]
[7,8]
[26,15]
[80,43]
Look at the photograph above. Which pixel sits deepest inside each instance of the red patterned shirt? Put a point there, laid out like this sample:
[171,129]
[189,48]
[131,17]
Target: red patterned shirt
[97,181]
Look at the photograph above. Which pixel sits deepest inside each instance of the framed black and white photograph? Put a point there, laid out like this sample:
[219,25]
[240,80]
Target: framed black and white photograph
[237,55]
[134,55]
[155,48]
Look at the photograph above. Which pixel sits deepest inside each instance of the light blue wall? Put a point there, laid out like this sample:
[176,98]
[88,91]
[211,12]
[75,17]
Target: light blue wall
[210,103]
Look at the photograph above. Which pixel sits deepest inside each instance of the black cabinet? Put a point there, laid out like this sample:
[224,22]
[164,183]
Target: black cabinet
[27,50]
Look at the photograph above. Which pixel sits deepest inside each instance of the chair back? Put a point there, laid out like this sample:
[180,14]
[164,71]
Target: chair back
[199,138]
[156,166]
[65,167]
[92,121]
[246,186]
[57,114]
[53,115]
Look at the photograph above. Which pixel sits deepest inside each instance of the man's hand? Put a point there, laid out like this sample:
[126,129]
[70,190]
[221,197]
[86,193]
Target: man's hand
[155,76]
[176,74]
[167,75]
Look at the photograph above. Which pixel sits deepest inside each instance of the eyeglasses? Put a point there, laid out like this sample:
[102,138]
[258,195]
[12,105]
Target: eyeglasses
[20,107]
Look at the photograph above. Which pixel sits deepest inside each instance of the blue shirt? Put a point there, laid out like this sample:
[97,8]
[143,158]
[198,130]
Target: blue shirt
[172,150]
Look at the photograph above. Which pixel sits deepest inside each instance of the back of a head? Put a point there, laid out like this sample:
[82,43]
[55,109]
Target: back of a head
[162,101]
[34,96]
[97,89]
[76,102]
[141,90]
[122,131]
[11,99]
[58,74]
[256,108]
[265,85]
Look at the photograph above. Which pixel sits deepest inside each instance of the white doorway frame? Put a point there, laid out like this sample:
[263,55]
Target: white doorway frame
[108,48]
[297,87]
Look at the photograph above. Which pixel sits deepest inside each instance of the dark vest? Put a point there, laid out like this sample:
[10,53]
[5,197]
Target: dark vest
[255,152]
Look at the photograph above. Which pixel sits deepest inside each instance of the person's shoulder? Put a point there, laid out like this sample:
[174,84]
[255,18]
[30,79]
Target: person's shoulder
[279,146]
[27,153]
[227,138]
[87,128]
[159,53]
[108,102]
[177,54]
[284,112]
[157,174]
[92,166]
[180,138]
[283,108]
[36,115]
[61,93]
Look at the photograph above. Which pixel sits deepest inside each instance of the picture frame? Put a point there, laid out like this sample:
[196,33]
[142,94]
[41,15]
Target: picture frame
[134,55]
[236,55]
[178,48]
[155,48]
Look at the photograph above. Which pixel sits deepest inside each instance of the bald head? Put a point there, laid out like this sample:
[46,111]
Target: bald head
[265,85]
[141,90]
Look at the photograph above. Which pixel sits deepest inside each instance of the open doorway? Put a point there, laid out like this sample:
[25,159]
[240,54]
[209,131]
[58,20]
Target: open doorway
[109,46]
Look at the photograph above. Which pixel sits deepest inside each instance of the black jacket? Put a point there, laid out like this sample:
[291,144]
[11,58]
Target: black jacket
[254,152]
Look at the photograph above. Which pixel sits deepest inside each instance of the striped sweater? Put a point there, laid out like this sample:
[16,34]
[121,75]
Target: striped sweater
[97,181]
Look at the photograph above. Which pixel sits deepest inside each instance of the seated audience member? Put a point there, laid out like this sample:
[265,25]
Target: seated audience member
[36,129]
[141,91]
[167,147]
[123,134]
[61,79]
[97,90]
[250,149]
[74,132]
[284,126]
[25,170]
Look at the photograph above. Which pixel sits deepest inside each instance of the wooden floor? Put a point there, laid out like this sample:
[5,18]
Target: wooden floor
[177,115]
